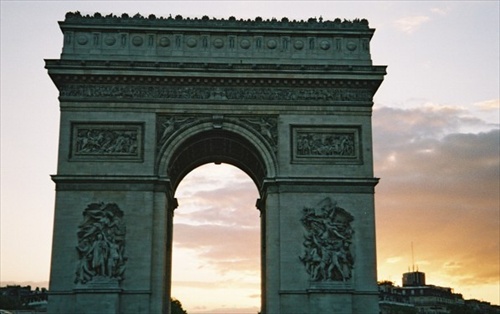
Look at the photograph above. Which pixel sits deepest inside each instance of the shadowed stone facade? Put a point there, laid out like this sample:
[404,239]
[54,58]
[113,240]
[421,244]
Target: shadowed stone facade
[145,100]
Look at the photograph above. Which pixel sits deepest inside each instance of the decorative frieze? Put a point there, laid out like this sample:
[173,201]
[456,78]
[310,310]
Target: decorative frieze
[103,141]
[163,43]
[328,236]
[101,246]
[228,47]
[208,93]
[339,144]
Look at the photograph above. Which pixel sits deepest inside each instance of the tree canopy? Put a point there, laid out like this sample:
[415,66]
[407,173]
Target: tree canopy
[176,307]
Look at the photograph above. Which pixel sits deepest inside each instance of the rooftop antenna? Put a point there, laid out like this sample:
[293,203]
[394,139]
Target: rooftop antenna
[412,258]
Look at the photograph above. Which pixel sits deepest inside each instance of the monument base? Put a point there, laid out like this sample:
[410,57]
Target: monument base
[100,295]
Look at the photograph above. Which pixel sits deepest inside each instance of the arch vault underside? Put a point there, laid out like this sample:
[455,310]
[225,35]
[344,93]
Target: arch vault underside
[146,100]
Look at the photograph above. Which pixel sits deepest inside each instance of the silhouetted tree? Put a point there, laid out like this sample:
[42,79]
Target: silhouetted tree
[176,307]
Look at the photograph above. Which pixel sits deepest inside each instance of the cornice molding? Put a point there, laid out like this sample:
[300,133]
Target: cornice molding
[131,65]
[72,79]
[105,73]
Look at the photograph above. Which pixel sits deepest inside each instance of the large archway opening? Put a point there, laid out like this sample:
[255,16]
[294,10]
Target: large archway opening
[217,176]
[216,242]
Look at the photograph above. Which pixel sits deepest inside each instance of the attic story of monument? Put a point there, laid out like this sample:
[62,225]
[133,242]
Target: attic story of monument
[145,100]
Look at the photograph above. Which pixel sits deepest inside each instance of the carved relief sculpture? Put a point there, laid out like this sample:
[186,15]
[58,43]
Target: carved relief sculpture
[265,126]
[335,144]
[101,244]
[327,243]
[317,144]
[168,125]
[101,140]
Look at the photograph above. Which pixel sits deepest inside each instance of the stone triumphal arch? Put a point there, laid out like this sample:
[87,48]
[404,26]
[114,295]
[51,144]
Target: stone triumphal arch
[145,100]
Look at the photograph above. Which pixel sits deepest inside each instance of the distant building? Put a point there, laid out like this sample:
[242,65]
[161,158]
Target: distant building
[23,298]
[414,278]
[391,301]
[482,307]
[415,296]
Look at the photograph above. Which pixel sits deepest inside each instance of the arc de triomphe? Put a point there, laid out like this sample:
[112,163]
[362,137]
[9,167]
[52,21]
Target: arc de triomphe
[145,100]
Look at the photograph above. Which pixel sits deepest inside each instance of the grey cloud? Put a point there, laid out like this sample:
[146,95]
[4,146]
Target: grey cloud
[224,205]
[209,176]
[393,126]
[458,165]
[415,150]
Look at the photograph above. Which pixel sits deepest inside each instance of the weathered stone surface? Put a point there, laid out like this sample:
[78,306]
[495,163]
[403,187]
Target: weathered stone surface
[145,100]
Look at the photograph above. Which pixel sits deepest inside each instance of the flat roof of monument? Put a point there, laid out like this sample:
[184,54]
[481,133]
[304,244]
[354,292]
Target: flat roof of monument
[231,22]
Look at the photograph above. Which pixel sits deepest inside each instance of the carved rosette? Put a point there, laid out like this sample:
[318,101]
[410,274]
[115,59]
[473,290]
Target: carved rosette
[106,141]
[101,245]
[328,235]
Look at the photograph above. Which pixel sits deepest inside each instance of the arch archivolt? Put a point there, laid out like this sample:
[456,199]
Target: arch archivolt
[247,142]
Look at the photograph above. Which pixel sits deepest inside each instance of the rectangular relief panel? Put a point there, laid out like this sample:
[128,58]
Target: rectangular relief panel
[326,144]
[106,141]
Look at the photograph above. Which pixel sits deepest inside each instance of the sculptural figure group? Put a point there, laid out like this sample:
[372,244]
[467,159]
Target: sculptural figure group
[316,144]
[105,141]
[327,245]
[101,238]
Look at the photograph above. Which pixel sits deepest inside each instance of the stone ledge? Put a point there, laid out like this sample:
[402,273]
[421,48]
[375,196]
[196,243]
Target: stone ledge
[363,181]
[319,185]
[75,291]
[110,183]
[227,67]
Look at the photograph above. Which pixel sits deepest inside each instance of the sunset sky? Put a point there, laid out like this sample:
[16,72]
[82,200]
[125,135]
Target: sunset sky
[436,149]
